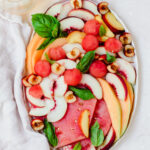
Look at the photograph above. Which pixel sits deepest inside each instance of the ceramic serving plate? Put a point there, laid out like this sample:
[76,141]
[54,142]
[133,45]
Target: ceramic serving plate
[82,76]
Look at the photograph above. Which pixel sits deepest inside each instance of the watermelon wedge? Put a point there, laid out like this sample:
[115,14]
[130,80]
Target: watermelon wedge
[67,129]
[101,114]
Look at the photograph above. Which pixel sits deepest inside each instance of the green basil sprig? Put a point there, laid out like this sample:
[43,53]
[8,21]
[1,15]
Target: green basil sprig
[110,58]
[49,60]
[86,61]
[84,94]
[44,24]
[102,31]
[77,146]
[48,27]
[97,135]
[49,131]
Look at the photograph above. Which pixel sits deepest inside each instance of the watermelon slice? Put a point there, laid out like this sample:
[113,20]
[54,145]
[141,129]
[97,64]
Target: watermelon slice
[67,129]
[102,116]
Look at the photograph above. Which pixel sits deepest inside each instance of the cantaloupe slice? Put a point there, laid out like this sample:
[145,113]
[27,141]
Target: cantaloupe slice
[57,42]
[31,48]
[113,106]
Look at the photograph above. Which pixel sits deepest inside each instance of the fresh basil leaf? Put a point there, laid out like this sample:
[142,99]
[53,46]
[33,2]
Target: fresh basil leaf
[43,24]
[110,58]
[77,146]
[84,94]
[49,131]
[44,44]
[55,30]
[97,135]
[86,61]
[102,31]
[49,60]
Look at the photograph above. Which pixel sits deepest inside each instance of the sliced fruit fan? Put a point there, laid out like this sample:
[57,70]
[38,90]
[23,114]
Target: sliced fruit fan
[80,77]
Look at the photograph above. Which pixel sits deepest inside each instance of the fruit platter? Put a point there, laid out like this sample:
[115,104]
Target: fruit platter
[81,76]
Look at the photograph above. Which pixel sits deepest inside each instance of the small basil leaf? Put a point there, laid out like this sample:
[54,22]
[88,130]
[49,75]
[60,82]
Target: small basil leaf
[44,44]
[86,61]
[77,146]
[102,31]
[84,94]
[97,135]
[49,131]
[43,24]
[49,60]
[110,58]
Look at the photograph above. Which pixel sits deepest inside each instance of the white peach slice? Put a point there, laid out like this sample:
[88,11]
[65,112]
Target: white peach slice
[34,101]
[126,69]
[128,59]
[118,83]
[102,51]
[65,9]
[68,64]
[59,111]
[109,140]
[112,22]
[60,87]
[75,37]
[42,111]
[90,6]
[84,122]
[82,14]
[93,85]
[71,23]
[68,47]
[47,87]
[54,10]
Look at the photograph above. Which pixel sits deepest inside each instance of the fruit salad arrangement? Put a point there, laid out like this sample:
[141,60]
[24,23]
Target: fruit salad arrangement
[80,76]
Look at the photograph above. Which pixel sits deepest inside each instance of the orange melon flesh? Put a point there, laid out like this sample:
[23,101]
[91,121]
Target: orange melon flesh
[126,107]
[56,43]
[113,106]
[31,48]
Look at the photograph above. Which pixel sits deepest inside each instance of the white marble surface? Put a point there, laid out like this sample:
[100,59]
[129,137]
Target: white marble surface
[136,15]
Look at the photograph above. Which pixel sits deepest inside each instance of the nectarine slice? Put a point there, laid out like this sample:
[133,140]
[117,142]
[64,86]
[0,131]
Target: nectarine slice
[84,122]
[75,37]
[113,106]
[109,33]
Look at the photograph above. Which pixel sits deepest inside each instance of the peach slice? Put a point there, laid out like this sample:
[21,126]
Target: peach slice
[109,140]
[75,37]
[119,85]
[112,22]
[59,110]
[68,64]
[82,14]
[76,4]
[93,84]
[42,111]
[54,10]
[66,8]
[84,122]
[113,106]
[89,5]
[126,69]
[71,23]
[109,33]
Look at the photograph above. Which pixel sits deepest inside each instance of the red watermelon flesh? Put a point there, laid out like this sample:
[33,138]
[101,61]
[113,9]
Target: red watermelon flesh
[67,129]
[101,114]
